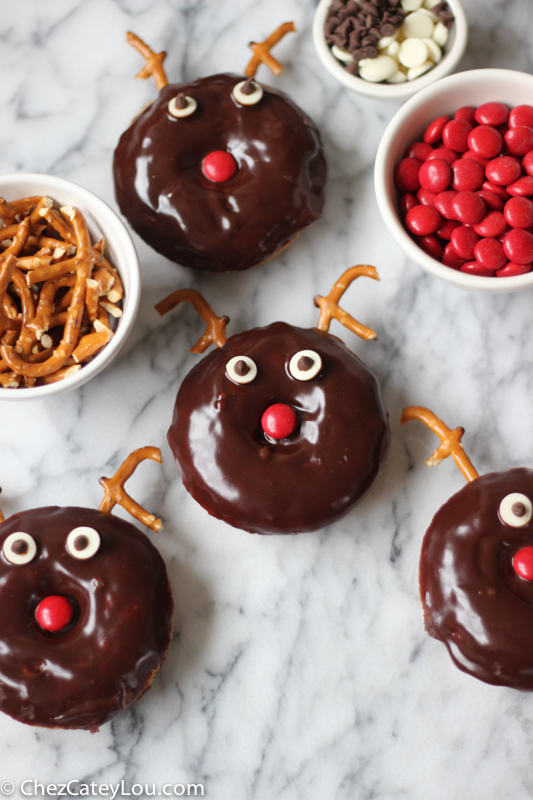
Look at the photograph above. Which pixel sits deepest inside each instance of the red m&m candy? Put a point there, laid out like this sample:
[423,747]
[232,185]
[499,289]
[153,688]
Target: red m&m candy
[491,114]
[485,141]
[519,141]
[503,170]
[54,612]
[279,421]
[435,175]
[518,212]
[469,208]
[521,116]
[518,246]
[468,175]
[219,166]
[523,563]
[423,220]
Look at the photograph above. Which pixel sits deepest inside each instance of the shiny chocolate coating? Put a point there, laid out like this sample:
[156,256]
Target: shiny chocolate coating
[105,659]
[473,600]
[302,483]
[276,193]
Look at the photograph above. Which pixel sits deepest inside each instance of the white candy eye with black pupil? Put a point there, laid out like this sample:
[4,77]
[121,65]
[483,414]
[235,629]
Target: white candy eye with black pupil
[305,364]
[248,92]
[241,369]
[182,106]
[83,542]
[516,510]
[19,548]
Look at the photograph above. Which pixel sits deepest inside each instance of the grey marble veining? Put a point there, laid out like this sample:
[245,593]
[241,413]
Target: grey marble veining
[300,668]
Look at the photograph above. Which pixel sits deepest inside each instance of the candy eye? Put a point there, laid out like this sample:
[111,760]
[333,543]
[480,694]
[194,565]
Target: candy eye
[241,369]
[516,510]
[182,106]
[305,364]
[248,92]
[19,548]
[83,542]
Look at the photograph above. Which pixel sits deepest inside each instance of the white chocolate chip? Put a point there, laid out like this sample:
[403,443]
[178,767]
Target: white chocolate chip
[377,69]
[342,55]
[417,26]
[385,41]
[248,99]
[392,50]
[398,77]
[440,34]
[413,53]
[416,72]
[435,53]
[411,5]
[189,109]
[433,17]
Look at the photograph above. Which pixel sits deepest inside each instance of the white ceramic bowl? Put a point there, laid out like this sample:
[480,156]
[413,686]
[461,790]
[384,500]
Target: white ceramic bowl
[407,126]
[101,221]
[453,52]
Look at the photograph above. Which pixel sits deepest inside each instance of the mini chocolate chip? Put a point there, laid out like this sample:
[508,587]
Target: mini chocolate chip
[371,52]
[353,68]
[355,41]
[305,363]
[249,87]
[374,32]
[370,8]
[387,30]
[518,509]
[370,21]
[368,41]
[19,547]
[241,368]
[357,55]
[352,7]
[181,101]
[80,542]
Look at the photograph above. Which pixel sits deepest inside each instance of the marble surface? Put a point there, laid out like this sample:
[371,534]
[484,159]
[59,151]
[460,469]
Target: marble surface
[300,666]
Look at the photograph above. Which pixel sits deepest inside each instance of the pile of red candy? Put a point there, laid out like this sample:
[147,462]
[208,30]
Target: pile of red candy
[467,189]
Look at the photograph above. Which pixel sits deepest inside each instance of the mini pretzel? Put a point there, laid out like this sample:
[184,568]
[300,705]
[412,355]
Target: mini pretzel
[215,331]
[262,54]
[85,259]
[329,306]
[115,492]
[154,61]
[6,271]
[450,440]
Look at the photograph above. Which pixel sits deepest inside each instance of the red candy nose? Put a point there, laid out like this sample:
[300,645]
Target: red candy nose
[54,612]
[279,421]
[523,563]
[219,166]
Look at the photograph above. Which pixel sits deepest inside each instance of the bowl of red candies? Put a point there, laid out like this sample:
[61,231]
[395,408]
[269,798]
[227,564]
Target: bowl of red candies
[454,179]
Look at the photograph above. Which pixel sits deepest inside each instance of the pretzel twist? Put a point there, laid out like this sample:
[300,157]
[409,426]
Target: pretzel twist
[154,61]
[450,440]
[215,331]
[262,51]
[115,492]
[329,306]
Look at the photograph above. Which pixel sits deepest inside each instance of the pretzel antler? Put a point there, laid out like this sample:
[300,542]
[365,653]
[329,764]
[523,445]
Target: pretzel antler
[262,51]
[215,331]
[115,492]
[329,306]
[450,440]
[154,61]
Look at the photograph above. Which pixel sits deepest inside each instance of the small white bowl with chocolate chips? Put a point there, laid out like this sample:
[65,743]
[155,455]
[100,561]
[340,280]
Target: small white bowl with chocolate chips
[69,286]
[389,48]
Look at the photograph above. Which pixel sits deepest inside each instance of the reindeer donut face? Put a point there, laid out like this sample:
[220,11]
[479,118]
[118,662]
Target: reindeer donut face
[220,174]
[476,567]
[476,578]
[282,430]
[85,619]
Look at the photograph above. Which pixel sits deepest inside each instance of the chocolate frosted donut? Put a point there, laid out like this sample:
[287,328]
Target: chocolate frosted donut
[220,223]
[281,430]
[119,616]
[474,599]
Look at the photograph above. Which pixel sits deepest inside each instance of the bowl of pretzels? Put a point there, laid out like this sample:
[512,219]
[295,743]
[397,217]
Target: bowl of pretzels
[69,286]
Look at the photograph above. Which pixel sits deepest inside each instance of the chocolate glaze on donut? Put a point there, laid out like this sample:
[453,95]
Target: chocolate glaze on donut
[302,483]
[473,599]
[276,193]
[105,659]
